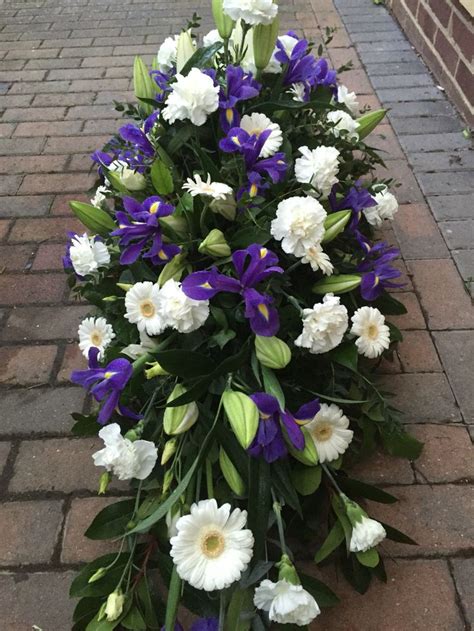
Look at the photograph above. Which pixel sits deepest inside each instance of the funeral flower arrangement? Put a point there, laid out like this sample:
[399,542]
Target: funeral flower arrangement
[239,314]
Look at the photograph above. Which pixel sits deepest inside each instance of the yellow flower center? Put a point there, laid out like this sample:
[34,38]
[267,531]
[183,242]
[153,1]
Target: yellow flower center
[96,338]
[372,332]
[322,432]
[147,308]
[263,310]
[212,544]
[154,208]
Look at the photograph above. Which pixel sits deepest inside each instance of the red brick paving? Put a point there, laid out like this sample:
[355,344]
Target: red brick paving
[61,74]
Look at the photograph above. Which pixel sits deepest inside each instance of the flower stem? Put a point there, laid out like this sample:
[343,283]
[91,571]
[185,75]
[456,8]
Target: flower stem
[332,478]
[281,530]
[209,481]
[222,610]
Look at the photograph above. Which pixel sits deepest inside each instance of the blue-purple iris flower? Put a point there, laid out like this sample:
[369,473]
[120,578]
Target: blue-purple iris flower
[205,624]
[162,80]
[356,199]
[240,86]
[377,273]
[104,383]
[250,147]
[252,265]
[141,228]
[274,423]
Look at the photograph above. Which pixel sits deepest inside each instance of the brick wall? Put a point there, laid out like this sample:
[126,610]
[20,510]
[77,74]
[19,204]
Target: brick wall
[443,32]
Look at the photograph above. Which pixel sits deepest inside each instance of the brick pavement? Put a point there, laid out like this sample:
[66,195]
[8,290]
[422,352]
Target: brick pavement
[61,64]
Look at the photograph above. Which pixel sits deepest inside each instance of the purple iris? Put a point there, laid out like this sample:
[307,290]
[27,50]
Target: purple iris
[138,138]
[252,266]
[104,383]
[240,86]
[162,80]
[377,273]
[142,227]
[357,199]
[205,624]
[275,423]
[250,147]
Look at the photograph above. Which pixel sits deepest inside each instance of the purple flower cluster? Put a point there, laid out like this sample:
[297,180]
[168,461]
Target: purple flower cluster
[140,228]
[240,86]
[275,422]
[377,273]
[252,266]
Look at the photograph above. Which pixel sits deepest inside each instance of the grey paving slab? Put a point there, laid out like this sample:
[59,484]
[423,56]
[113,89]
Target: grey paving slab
[394,68]
[445,183]
[423,108]
[464,260]
[442,160]
[388,56]
[452,206]
[430,125]
[384,46]
[402,81]
[463,572]
[434,142]
[406,93]
[459,235]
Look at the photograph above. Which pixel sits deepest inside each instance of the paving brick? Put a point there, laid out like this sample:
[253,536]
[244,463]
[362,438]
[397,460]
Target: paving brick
[456,349]
[407,190]
[74,144]
[39,599]
[413,319]
[419,595]
[49,257]
[463,572]
[56,183]
[464,260]
[417,353]
[33,114]
[48,100]
[445,183]
[73,360]
[439,518]
[19,146]
[59,464]
[39,411]
[446,456]
[399,81]
[43,129]
[9,184]
[422,397]
[6,129]
[40,87]
[427,125]
[401,68]
[44,323]
[46,228]
[20,289]
[26,365]
[33,164]
[434,142]
[418,234]
[29,531]
[76,548]
[382,469]
[4,228]
[4,453]
[456,160]
[452,206]
[442,295]
[15,257]
[459,235]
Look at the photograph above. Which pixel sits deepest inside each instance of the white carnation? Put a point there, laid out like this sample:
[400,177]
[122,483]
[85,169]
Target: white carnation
[386,208]
[211,38]
[167,52]
[344,125]
[318,167]
[330,432]
[95,333]
[142,308]
[286,603]
[373,335]
[88,254]
[299,224]
[124,458]
[251,11]
[193,97]
[349,99]
[366,534]
[180,312]
[257,123]
[318,259]
[323,326]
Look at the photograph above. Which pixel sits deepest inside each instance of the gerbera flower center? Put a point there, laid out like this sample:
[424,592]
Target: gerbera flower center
[147,308]
[372,331]
[96,338]
[212,544]
[323,432]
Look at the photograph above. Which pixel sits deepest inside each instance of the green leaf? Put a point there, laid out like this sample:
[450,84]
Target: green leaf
[172,602]
[246,236]
[272,386]
[340,511]
[134,620]
[369,558]
[260,569]
[116,181]
[306,479]
[346,355]
[85,425]
[143,85]
[357,574]
[361,489]
[337,284]
[102,625]
[201,58]
[334,539]
[85,610]
[240,606]
[80,586]
[324,596]
[401,444]
[96,220]
[396,535]
[179,138]
[230,473]
[281,481]
[259,503]
[161,178]
[308,455]
[144,596]
[368,122]
[112,521]
[186,364]
[389,305]
[335,224]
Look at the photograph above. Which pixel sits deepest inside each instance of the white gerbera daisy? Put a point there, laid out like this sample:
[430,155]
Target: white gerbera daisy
[126,459]
[167,52]
[286,603]
[142,308]
[386,208]
[88,254]
[366,533]
[330,433]
[212,547]
[216,190]
[344,125]
[318,167]
[298,92]
[257,123]
[251,11]
[180,312]
[193,97]
[349,99]
[299,224]
[95,333]
[323,326]
[373,335]
[318,259]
